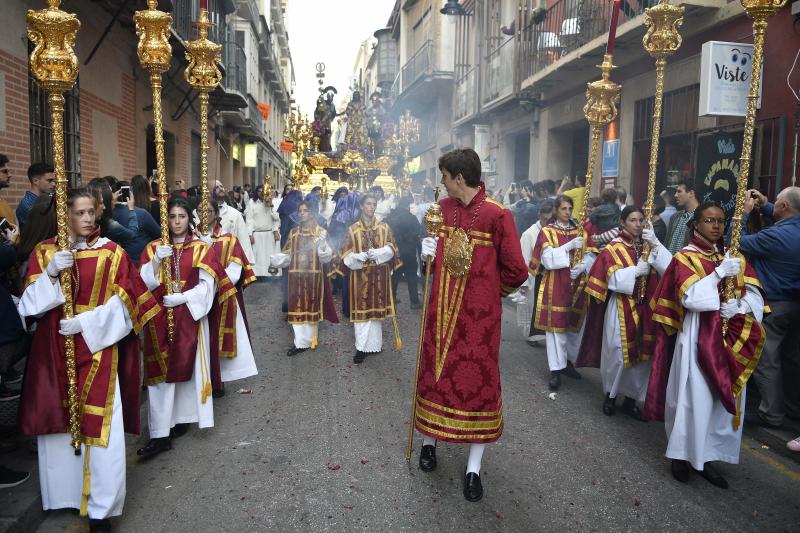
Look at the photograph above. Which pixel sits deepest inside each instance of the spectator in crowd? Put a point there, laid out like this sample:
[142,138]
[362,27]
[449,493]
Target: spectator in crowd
[12,340]
[232,221]
[43,181]
[668,195]
[622,197]
[148,230]
[657,219]
[549,187]
[407,231]
[247,193]
[155,205]
[526,209]
[575,189]
[42,226]
[425,203]
[5,181]
[236,200]
[773,252]
[109,227]
[677,234]
[605,218]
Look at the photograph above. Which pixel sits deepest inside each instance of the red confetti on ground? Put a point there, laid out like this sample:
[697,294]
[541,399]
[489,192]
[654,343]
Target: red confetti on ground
[333,467]
[636,502]
[364,461]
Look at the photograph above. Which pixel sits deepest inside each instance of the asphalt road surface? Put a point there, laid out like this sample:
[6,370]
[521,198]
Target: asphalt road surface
[316,443]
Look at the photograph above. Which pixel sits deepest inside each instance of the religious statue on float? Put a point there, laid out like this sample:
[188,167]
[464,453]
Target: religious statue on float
[356,133]
[376,114]
[324,114]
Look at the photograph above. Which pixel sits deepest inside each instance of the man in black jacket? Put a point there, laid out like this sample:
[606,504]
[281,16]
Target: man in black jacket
[407,231]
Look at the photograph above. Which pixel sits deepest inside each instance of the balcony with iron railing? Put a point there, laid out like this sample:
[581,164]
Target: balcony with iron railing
[423,76]
[419,65]
[235,61]
[498,78]
[186,12]
[571,32]
[465,93]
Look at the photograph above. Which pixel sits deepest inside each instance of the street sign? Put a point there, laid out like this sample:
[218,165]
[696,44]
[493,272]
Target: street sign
[611,159]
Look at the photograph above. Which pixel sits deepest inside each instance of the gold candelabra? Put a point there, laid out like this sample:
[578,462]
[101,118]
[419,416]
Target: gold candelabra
[203,74]
[407,134]
[661,41]
[300,133]
[155,54]
[55,68]
[759,11]
[600,111]
[433,223]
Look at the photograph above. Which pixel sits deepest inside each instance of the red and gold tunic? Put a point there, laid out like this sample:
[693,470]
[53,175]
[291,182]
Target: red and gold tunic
[561,304]
[173,363]
[638,331]
[370,288]
[222,318]
[98,274]
[310,294]
[726,365]
[458,386]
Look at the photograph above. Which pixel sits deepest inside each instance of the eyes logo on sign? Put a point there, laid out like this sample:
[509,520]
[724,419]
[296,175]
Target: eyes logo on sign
[738,57]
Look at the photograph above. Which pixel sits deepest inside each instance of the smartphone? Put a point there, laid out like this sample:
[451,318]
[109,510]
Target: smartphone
[5,225]
[124,194]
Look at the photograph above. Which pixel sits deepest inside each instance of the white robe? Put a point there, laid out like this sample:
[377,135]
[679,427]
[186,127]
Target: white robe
[60,470]
[369,334]
[262,221]
[699,429]
[562,346]
[181,403]
[527,243]
[232,222]
[618,380]
[244,364]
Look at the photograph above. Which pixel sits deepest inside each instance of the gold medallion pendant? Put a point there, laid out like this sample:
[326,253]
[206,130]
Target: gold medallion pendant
[458,253]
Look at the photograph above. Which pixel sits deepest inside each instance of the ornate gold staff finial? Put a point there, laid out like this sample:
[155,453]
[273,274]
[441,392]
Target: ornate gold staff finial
[600,111]
[759,11]
[203,74]
[155,54]
[433,223]
[661,41]
[55,68]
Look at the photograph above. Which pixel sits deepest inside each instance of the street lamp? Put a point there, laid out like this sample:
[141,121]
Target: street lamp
[452,7]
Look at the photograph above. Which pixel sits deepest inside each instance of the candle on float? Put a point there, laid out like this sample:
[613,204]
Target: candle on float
[612,28]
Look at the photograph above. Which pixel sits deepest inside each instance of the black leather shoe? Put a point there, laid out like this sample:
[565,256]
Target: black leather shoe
[680,470]
[630,408]
[427,458]
[555,380]
[609,406]
[218,393]
[473,490]
[570,371]
[178,431]
[712,476]
[754,419]
[359,357]
[295,351]
[99,525]
[154,447]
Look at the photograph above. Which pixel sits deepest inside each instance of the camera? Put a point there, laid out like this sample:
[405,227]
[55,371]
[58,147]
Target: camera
[5,225]
[124,194]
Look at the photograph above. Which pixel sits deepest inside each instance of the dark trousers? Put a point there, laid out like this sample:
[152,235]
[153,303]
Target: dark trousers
[409,272]
[778,372]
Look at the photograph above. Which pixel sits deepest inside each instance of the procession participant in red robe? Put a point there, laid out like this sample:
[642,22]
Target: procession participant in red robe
[477,261]
[698,388]
[370,254]
[306,255]
[561,304]
[231,351]
[177,373]
[620,334]
[111,306]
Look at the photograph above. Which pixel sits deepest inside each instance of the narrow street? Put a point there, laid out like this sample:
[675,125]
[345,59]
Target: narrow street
[315,443]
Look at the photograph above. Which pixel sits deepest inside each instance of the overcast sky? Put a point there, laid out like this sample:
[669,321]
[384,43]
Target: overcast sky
[330,32]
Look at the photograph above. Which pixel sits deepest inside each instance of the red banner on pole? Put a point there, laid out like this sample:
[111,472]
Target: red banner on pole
[286,146]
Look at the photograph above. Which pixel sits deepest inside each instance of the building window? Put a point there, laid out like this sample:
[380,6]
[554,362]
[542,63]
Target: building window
[678,113]
[41,127]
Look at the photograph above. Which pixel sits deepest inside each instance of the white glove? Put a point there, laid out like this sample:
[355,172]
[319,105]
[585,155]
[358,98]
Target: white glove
[206,238]
[61,260]
[162,252]
[323,235]
[729,309]
[650,236]
[69,326]
[280,260]
[429,247]
[324,252]
[730,266]
[575,273]
[574,244]
[174,300]
[381,255]
[642,268]
[355,261]
[361,257]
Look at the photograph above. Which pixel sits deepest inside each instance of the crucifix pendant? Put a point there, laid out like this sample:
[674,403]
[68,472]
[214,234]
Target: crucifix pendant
[176,286]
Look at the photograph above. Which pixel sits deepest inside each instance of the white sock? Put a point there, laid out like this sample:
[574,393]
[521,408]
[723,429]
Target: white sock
[475,455]
[428,441]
